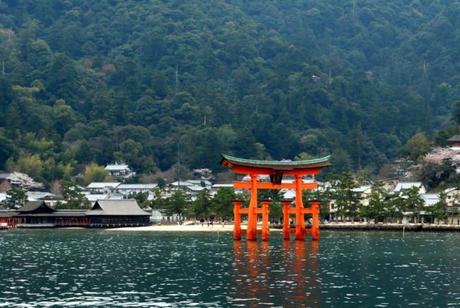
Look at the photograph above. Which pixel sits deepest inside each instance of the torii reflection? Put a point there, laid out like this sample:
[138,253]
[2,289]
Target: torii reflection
[275,274]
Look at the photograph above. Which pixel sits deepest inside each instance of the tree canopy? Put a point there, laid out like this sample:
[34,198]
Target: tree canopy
[153,82]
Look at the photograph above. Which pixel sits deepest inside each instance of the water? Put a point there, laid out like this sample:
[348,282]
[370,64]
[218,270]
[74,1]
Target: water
[59,268]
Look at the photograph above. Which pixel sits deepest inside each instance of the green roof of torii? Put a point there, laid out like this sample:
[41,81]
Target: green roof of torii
[280,165]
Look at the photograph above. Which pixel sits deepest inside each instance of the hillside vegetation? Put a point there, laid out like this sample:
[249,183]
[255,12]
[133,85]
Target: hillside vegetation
[151,82]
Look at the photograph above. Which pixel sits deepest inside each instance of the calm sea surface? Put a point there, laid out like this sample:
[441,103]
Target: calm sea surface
[58,268]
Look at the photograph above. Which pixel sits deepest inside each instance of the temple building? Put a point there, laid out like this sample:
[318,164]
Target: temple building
[454,142]
[103,214]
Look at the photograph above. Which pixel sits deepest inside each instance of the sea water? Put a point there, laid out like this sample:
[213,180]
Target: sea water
[98,268]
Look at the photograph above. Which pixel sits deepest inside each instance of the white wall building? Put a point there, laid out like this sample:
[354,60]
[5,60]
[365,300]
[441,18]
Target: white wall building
[102,187]
[120,170]
[401,186]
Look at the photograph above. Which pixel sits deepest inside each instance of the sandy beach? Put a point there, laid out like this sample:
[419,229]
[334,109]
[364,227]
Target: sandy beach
[331,226]
[180,228]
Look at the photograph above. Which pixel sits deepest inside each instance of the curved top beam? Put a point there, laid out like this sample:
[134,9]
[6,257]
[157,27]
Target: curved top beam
[275,165]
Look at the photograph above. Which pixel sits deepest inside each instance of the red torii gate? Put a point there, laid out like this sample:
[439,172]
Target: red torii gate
[276,170]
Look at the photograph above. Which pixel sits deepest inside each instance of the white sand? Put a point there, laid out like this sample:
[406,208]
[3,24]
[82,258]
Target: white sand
[187,228]
[179,228]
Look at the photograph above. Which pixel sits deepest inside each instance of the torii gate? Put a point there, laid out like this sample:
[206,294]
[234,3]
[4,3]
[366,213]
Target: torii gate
[276,170]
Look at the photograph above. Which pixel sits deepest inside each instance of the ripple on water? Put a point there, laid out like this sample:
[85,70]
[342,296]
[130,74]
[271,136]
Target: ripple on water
[100,268]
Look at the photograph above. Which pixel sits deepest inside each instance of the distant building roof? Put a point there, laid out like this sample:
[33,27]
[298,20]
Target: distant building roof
[188,185]
[95,197]
[116,207]
[116,167]
[362,189]
[36,207]
[455,138]
[136,186]
[289,194]
[100,185]
[450,189]
[200,182]
[430,199]
[229,185]
[42,195]
[408,185]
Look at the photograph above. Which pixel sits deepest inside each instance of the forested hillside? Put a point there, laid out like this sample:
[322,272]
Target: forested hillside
[148,82]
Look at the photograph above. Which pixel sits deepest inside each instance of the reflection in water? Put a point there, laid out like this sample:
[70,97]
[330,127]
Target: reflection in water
[265,275]
[69,268]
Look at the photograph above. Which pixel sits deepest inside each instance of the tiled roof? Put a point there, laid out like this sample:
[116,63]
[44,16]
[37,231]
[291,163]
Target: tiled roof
[116,207]
[96,185]
[136,186]
[34,206]
[116,167]
[455,138]
[280,165]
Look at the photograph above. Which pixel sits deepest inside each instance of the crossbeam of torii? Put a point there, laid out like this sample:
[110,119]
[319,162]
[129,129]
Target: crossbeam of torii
[276,170]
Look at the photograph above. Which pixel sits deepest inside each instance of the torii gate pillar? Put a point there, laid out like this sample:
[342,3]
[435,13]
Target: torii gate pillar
[276,170]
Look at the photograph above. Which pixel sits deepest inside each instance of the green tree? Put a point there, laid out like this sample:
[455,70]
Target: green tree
[202,204]
[439,210]
[341,191]
[141,198]
[413,202]
[377,207]
[29,164]
[74,197]
[16,197]
[94,173]
[222,202]
[417,146]
[395,206]
[177,204]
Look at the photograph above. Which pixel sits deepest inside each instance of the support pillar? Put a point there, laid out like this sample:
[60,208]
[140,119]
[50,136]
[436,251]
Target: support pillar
[286,227]
[299,214]
[236,220]
[265,216]
[251,232]
[315,220]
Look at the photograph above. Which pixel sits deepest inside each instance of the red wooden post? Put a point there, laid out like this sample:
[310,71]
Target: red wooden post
[265,215]
[236,220]
[286,227]
[299,215]
[276,170]
[251,232]
[315,220]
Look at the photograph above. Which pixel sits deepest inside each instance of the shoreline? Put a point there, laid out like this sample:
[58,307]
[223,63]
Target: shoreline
[390,227]
[329,226]
[178,228]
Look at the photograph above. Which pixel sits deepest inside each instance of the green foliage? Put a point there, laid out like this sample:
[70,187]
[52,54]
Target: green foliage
[94,173]
[202,206]
[141,198]
[177,204]
[29,164]
[341,191]
[74,197]
[16,197]
[412,202]
[98,81]
[439,210]
[222,202]
[377,208]
[417,146]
